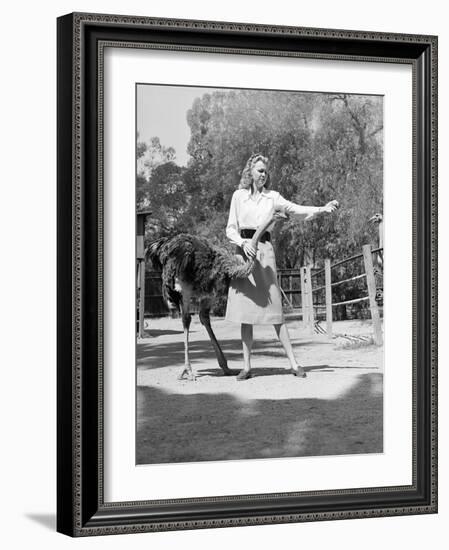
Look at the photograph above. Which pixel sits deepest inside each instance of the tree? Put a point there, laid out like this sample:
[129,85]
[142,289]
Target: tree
[149,156]
[320,146]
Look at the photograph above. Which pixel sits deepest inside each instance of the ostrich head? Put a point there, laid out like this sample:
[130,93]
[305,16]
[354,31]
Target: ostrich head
[377,218]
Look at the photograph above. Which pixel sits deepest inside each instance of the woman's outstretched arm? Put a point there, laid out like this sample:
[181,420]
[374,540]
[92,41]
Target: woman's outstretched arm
[304,212]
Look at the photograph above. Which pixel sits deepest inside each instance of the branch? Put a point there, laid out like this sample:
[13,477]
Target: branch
[377,130]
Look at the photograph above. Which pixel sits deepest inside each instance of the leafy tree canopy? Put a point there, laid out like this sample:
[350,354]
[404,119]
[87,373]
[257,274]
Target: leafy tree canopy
[321,147]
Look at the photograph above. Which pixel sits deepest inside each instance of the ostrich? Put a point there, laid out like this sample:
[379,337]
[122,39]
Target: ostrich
[378,220]
[191,266]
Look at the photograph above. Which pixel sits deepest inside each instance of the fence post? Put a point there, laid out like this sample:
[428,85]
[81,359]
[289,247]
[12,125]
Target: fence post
[371,283]
[302,273]
[308,282]
[141,287]
[290,288]
[328,285]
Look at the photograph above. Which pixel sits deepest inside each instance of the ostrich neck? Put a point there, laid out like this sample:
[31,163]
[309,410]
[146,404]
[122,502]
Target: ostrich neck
[262,228]
[381,234]
[243,270]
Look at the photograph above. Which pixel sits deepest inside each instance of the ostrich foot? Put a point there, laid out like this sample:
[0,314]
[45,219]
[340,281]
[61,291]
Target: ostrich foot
[244,375]
[187,372]
[299,372]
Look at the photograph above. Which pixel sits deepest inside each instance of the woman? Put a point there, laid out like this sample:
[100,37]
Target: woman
[257,299]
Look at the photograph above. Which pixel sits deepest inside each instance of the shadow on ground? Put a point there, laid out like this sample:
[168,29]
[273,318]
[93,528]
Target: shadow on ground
[198,427]
[46,520]
[151,355]
[155,333]
[276,371]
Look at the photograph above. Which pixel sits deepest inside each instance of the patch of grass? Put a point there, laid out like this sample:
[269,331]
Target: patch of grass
[354,342]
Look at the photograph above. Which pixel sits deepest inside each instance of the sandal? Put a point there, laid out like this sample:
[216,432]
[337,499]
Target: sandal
[244,375]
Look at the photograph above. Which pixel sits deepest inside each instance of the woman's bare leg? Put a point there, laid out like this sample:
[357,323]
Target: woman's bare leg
[247,344]
[284,338]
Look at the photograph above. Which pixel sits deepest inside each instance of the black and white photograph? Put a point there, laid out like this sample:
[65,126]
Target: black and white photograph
[226,329]
[259,274]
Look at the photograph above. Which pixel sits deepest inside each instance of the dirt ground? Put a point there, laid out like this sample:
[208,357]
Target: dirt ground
[336,410]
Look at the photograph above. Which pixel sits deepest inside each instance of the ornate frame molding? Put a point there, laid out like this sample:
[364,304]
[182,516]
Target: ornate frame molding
[81,509]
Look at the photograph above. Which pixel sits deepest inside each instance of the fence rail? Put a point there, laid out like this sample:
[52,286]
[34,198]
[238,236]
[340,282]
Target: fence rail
[297,291]
[355,278]
[289,281]
[310,308]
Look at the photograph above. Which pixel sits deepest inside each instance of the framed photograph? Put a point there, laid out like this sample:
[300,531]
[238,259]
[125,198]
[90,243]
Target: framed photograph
[247,276]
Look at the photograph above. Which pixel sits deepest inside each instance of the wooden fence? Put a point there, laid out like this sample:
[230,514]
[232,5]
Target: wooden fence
[303,292]
[310,305]
[289,281]
[154,302]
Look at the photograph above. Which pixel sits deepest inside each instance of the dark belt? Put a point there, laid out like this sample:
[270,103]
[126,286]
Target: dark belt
[249,233]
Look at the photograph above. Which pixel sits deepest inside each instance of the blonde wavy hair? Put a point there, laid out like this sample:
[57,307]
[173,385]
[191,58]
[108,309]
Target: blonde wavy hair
[246,179]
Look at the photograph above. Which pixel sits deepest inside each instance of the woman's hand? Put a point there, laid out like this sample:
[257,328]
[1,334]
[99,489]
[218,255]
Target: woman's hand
[248,249]
[330,207]
[326,209]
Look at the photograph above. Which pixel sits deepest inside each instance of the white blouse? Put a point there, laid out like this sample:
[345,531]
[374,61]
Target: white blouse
[248,213]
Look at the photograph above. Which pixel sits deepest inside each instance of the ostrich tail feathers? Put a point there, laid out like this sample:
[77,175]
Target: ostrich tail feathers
[187,255]
[155,252]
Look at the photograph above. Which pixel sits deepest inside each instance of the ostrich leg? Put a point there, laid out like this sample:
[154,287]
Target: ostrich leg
[204,315]
[186,319]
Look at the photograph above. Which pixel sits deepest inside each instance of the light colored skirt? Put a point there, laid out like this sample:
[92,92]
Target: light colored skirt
[256,300]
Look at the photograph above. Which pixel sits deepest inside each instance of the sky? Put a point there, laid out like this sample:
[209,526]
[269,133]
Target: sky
[161,112]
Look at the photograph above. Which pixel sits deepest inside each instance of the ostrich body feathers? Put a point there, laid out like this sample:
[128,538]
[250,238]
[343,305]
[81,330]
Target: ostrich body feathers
[191,265]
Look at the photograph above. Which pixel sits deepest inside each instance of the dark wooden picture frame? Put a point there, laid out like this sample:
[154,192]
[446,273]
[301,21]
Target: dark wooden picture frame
[81,510]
